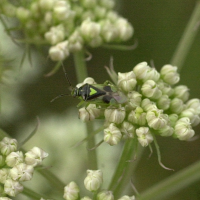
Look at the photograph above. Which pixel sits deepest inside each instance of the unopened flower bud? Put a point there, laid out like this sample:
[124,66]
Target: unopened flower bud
[86,198]
[89,113]
[127,81]
[147,105]
[109,4]
[128,130]
[75,41]
[22,172]
[14,158]
[190,113]
[5,198]
[46,4]
[137,116]
[134,100]
[140,70]
[22,14]
[156,119]
[71,191]
[94,180]
[195,104]
[115,115]
[4,175]
[144,136]
[8,145]
[183,129]
[181,92]
[152,74]
[173,118]
[55,34]
[166,131]
[176,105]
[165,88]
[35,156]
[169,74]
[112,135]
[12,188]
[105,195]
[89,3]
[60,51]
[163,102]
[127,198]
[151,90]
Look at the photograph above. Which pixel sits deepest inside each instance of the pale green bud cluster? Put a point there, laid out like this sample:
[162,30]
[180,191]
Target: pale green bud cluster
[17,167]
[92,183]
[151,105]
[67,26]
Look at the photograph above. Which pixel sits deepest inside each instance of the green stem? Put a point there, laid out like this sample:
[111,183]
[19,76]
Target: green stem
[31,194]
[81,72]
[187,38]
[172,184]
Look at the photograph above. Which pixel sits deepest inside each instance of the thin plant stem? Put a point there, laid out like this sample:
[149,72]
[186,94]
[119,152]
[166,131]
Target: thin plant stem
[81,72]
[187,38]
[31,194]
[173,184]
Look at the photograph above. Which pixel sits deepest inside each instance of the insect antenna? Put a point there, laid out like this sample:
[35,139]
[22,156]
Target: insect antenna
[68,80]
[61,95]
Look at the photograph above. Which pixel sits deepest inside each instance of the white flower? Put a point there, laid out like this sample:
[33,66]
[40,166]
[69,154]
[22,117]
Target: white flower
[94,180]
[8,145]
[22,172]
[144,136]
[71,191]
[166,131]
[195,104]
[112,135]
[137,116]
[35,156]
[183,129]
[141,70]
[14,158]
[176,105]
[12,188]
[134,100]
[181,92]
[125,197]
[128,129]
[105,195]
[4,175]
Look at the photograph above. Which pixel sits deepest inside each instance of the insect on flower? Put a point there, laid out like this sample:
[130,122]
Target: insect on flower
[105,94]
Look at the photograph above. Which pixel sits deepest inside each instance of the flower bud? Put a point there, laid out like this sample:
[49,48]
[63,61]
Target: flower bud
[88,80]
[190,113]
[115,115]
[163,102]
[109,4]
[89,113]
[137,116]
[126,81]
[112,135]
[5,198]
[8,145]
[183,129]
[144,136]
[127,198]
[134,100]
[22,172]
[152,74]
[71,191]
[8,9]
[35,156]
[75,41]
[124,29]
[181,92]
[156,119]
[22,14]
[4,175]
[55,34]
[105,195]
[165,88]
[195,104]
[94,180]
[147,105]
[89,3]
[169,74]
[112,15]
[151,90]
[173,118]
[14,158]
[60,51]
[166,131]
[100,11]
[46,4]
[48,18]
[141,70]
[176,105]
[12,188]
[128,130]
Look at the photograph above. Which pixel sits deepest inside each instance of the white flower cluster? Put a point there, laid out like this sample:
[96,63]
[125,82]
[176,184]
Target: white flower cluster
[69,25]
[17,167]
[92,183]
[150,105]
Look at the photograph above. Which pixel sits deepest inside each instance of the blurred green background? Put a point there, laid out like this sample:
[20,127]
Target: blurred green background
[158,25]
